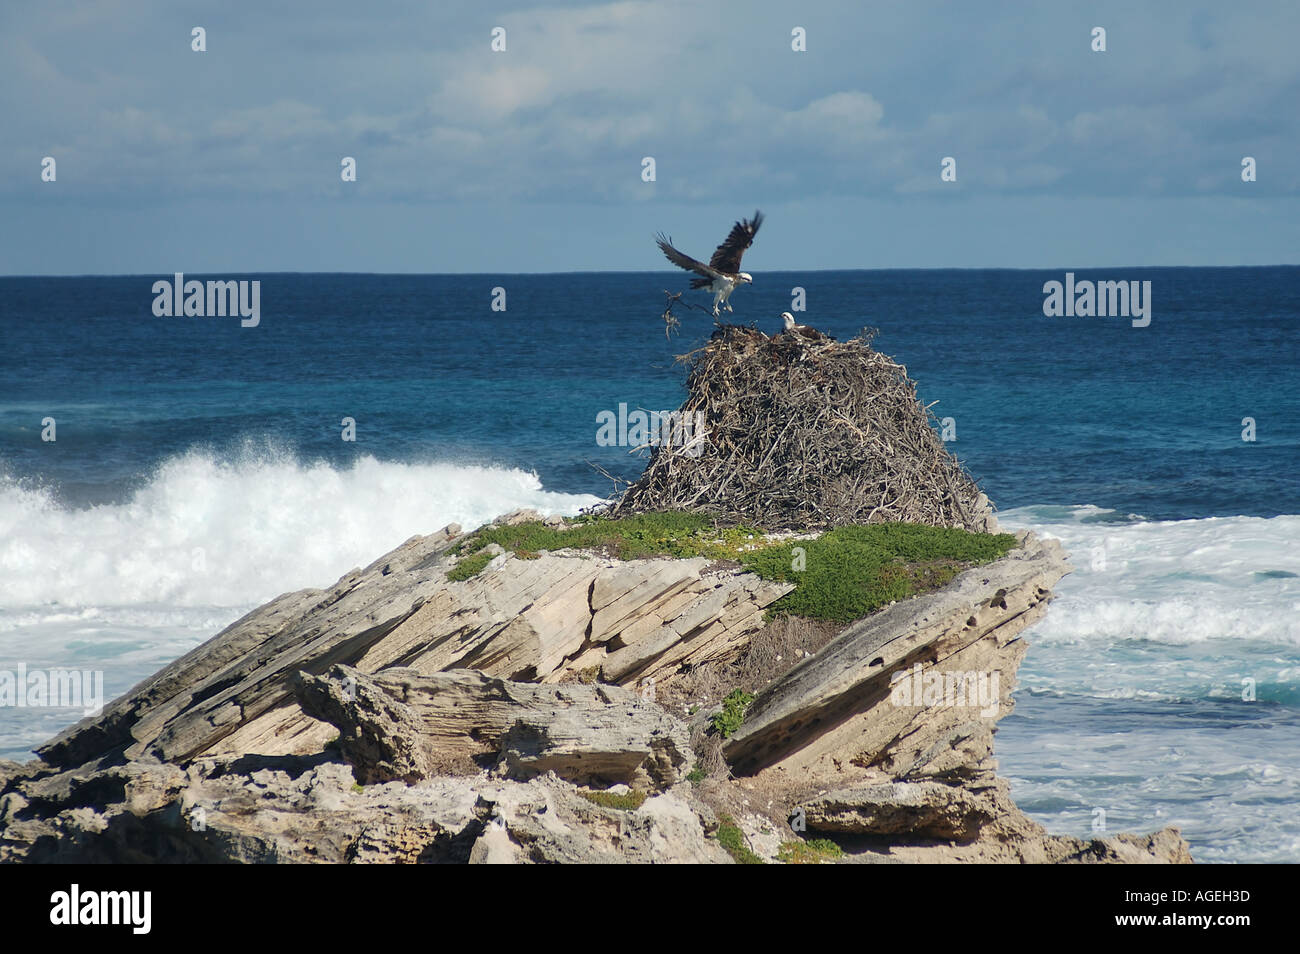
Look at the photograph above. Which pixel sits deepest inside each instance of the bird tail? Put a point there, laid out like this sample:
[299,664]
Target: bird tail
[701,282]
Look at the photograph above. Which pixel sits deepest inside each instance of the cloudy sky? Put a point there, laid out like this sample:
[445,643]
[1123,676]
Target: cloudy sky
[531,159]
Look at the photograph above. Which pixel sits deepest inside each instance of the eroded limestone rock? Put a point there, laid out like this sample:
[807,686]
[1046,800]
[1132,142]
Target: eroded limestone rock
[402,724]
[541,619]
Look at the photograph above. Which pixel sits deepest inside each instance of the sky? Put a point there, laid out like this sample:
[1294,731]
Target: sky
[530,159]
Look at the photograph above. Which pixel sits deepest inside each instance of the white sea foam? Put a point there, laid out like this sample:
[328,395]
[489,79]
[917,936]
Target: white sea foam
[1173,582]
[203,532]
[1132,697]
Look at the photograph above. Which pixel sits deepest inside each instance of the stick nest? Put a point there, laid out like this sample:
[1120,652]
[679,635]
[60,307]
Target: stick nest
[805,435]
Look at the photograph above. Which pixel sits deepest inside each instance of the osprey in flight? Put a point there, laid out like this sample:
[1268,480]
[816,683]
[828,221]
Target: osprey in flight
[722,274]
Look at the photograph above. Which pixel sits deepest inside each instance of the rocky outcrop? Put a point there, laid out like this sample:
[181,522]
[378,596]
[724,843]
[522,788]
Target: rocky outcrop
[954,651]
[543,619]
[401,724]
[933,822]
[886,735]
[913,810]
[309,810]
[401,716]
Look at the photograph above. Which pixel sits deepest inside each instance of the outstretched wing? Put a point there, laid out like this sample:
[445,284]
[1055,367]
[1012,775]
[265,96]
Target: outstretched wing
[682,260]
[727,257]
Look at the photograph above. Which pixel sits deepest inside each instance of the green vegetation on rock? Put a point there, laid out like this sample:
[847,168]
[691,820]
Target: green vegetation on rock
[811,852]
[627,802]
[733,712]
[469,566]
[628,538]
[732,839]
[848,572]
[842,575]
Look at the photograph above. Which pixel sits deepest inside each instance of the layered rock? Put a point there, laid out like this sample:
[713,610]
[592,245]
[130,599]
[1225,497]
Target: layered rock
[543,619]
[886,736]
[401,724]
[933,822]
[845,701]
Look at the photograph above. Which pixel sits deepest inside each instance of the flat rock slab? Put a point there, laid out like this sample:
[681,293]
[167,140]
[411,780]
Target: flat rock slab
[914,809]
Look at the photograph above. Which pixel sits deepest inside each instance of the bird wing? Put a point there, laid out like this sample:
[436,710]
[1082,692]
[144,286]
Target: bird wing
[727,257]
[681,260]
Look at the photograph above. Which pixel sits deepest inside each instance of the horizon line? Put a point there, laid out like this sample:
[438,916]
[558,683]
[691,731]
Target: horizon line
[646,271]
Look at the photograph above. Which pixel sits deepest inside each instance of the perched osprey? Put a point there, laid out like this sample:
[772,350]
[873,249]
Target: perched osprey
[802,332]
[722,274]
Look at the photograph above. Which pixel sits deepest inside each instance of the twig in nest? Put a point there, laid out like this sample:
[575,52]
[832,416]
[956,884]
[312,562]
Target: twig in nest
[616,481]
[671,321]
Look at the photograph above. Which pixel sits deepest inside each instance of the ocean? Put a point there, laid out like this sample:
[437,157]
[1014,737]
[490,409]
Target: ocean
[199,469]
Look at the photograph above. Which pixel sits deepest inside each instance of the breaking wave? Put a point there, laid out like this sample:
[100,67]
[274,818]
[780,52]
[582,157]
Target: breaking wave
[208,532]
[1171,582]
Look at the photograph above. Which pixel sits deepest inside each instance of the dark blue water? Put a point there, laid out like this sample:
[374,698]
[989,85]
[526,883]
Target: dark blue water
[1047,410]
